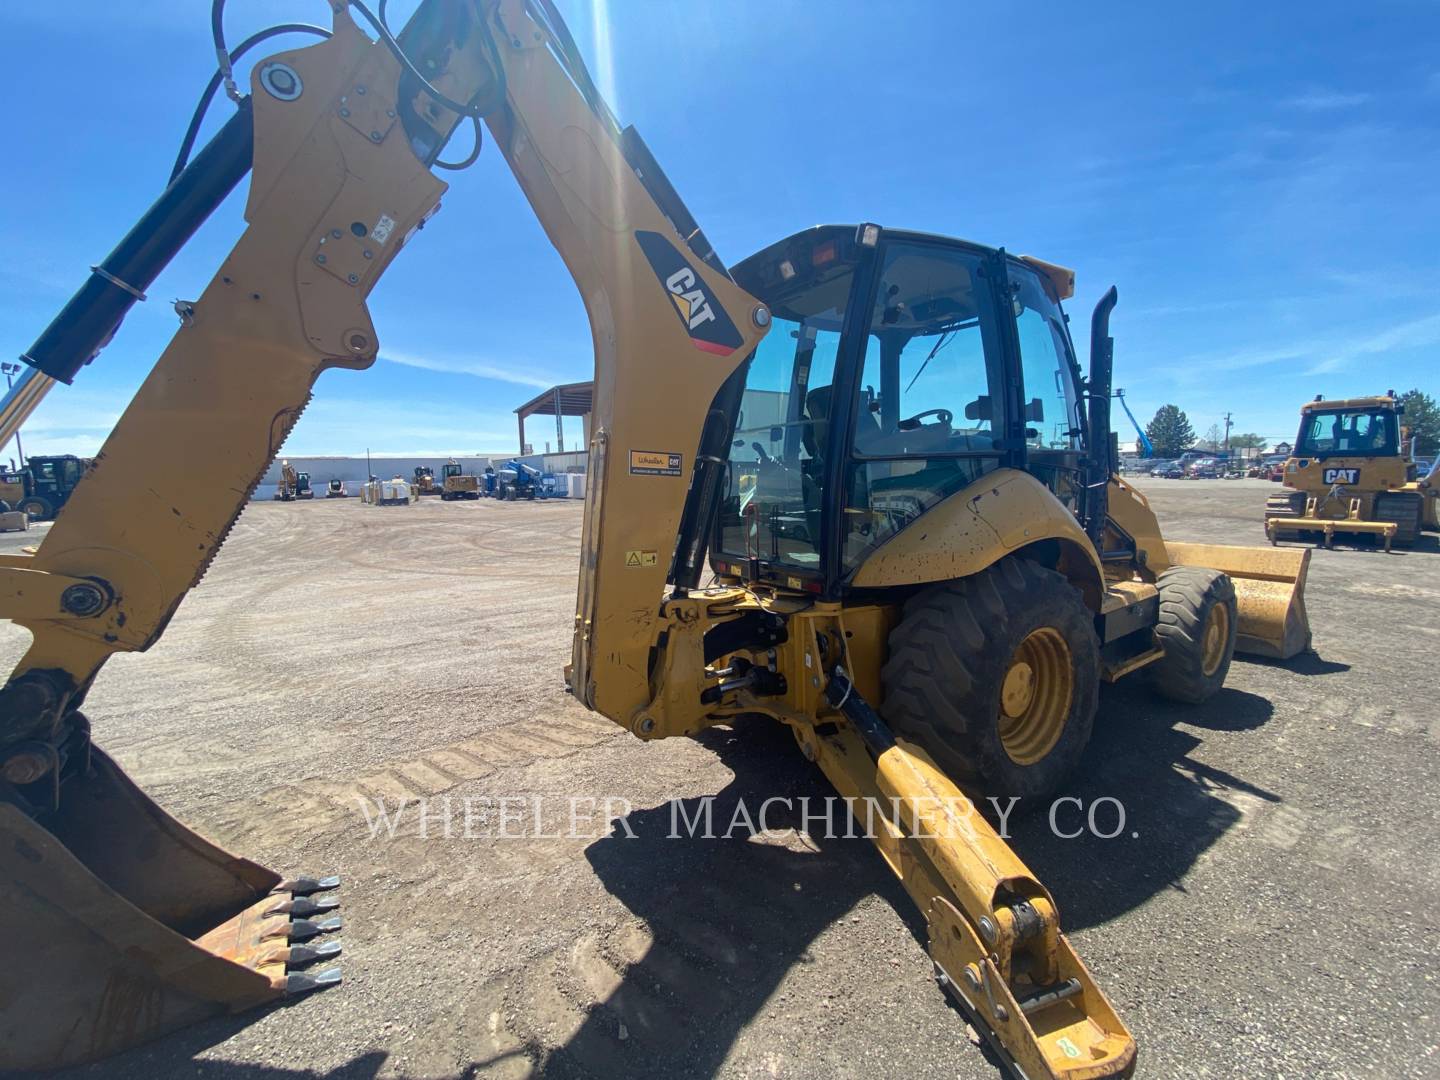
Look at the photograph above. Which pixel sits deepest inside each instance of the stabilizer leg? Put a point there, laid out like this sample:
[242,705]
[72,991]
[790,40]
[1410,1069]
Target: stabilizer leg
[994,930]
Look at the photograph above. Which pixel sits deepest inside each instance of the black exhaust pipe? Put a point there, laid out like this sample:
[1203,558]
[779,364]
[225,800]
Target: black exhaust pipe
[1102,465]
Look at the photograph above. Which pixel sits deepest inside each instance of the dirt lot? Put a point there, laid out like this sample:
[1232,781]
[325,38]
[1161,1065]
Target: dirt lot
[1271,908]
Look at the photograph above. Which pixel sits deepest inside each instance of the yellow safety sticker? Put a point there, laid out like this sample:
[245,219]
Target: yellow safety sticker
[641,558]
[654,463]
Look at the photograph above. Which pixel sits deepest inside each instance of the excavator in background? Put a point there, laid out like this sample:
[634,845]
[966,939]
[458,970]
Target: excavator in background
[41,487]
[921,587]
[1349,476]
[458,484]
[424,482]
[293,485]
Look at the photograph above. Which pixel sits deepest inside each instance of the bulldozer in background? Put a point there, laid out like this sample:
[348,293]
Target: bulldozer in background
[1349,476]
[931,570]
[458,484]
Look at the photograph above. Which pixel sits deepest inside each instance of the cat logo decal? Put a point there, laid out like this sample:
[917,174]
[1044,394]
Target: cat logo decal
[707,323]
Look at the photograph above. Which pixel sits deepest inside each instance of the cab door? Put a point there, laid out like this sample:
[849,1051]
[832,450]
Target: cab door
[1050,402]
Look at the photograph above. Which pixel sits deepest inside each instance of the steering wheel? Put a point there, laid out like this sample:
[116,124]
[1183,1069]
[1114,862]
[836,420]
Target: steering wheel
[942,419]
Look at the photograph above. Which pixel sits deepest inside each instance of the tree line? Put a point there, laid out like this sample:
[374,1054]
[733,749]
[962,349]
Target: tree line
[1171,433]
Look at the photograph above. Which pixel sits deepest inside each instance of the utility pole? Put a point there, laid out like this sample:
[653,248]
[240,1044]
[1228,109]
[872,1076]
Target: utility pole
[1227,436]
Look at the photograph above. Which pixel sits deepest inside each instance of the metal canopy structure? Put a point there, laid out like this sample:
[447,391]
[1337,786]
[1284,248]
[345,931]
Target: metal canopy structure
[568,399]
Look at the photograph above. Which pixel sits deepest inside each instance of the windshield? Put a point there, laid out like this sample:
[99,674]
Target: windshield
[772,506]
[1368,432]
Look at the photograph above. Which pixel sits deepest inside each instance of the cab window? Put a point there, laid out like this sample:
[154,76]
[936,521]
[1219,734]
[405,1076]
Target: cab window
[1051,404]
[929,415]
[1369,432]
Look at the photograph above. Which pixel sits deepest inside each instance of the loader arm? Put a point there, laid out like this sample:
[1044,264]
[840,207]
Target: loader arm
[344,134]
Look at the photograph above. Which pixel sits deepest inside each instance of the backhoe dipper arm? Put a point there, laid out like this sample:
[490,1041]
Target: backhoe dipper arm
[336,190]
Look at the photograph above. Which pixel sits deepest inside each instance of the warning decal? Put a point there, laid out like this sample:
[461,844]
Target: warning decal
[654,463]
[640,558]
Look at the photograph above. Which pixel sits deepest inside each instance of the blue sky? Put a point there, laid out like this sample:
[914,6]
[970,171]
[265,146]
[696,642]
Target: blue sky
[1260,181]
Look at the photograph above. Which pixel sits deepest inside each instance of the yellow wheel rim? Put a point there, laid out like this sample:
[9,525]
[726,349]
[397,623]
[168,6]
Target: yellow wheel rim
[1035,696]
[1216,633]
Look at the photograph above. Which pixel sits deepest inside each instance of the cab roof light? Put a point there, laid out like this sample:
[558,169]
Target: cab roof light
[824,253]
[787,269]
[868,235]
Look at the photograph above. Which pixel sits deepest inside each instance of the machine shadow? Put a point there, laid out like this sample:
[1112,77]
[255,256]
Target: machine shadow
[175,1054]
[729,917]
[1174,807]
[700,897]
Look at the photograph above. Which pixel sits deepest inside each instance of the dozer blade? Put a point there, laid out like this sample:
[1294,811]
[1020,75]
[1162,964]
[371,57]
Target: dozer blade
[119,925]
[1269,590]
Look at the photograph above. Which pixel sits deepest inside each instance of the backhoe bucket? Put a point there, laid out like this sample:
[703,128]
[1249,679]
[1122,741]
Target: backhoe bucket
[119,924]
[1270,591]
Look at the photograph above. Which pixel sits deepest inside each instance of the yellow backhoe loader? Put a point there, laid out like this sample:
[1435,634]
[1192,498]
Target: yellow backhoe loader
[880,441]
[1349,476]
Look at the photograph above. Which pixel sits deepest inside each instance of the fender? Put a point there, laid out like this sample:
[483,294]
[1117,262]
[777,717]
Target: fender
[998,515]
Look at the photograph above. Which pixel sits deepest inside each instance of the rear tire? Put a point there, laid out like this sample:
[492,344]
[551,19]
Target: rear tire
[1405,510]
[996,676]
[36,507]
[1198,620]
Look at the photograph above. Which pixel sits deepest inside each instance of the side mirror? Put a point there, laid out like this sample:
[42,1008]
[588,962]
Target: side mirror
[979,409]
[1035,410]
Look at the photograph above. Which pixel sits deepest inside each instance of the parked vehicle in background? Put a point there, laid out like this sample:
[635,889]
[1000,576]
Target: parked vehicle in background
[1169,470]
[1272,467]
[1206,469]
[43,484]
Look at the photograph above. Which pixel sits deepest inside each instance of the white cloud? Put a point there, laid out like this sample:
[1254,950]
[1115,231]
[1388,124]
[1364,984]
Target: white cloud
[465,365]
[1318,100]
[1334,353]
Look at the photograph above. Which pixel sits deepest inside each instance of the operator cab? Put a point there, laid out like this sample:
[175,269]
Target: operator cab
[1365,429]
[900,368]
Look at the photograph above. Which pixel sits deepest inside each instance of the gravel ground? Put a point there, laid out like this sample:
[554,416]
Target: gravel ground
[336,653]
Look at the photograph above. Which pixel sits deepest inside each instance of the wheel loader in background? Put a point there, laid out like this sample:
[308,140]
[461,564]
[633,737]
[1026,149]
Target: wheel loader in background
[424,482]
[929,572]
[1349,476]
[458,484]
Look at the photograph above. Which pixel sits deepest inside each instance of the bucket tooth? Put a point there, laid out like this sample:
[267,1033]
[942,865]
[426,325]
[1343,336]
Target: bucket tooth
[303,982]
[304,929]
[298,956]
[304,886]
[304,906]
